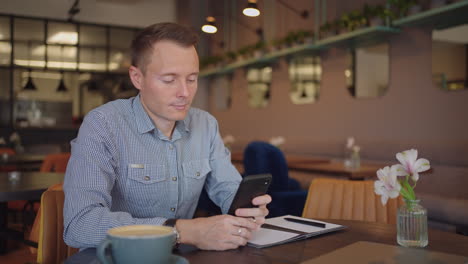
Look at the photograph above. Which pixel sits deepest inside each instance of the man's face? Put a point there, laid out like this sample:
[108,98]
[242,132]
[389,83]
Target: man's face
[169,84]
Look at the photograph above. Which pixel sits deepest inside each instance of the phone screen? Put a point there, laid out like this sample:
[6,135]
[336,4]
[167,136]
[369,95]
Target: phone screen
[250,187]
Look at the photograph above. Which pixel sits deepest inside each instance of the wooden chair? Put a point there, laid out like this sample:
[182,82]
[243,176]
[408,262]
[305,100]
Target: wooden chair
[51,247]
[52,163]
[348,200]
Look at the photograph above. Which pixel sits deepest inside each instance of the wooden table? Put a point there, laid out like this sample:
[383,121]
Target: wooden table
[30,186]
[299,251]
[23,162]
[237,159]
[366,170]
[290,158]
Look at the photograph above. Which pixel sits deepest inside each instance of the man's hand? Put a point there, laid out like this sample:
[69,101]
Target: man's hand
[219,232]
[257,214]
[224,232]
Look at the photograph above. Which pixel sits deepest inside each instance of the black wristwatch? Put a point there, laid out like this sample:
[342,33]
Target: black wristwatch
[172,223]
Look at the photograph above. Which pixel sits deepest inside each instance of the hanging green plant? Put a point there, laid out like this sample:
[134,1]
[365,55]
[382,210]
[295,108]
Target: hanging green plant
[402,7]
[326,30]
[231,56]
[304,36]
[290,39]
[211,61]
[276,44]
[246,51]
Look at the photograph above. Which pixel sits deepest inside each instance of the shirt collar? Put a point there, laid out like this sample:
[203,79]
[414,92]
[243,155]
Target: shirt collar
[145,124]
[143,121]
[184,125]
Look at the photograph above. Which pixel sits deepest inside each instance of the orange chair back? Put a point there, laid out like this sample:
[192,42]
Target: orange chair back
[7,168]
[348,200]
[51,247]
[55,162]
[8,151]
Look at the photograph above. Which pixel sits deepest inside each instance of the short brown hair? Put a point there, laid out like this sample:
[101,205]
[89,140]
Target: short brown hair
[143,42]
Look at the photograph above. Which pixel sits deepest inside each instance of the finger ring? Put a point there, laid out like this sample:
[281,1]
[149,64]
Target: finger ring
[239,231]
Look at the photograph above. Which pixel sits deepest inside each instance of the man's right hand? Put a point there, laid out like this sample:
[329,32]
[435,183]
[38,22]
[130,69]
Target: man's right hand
[219,232]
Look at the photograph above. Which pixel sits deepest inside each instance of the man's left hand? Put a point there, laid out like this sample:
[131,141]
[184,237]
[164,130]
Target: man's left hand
[259,213]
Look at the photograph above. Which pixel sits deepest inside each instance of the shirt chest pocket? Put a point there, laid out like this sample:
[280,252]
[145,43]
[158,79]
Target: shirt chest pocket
[195,173]
[146,184]
[196,169]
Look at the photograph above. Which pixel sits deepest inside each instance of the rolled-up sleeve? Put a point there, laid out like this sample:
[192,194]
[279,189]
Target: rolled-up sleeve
[89,180]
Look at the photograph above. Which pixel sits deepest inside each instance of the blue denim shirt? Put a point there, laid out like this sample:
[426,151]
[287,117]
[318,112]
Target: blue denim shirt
[124,171]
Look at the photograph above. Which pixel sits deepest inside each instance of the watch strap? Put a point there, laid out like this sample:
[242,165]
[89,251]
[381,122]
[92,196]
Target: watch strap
[171,222]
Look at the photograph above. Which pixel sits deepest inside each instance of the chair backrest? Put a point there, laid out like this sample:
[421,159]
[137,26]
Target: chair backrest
[348,200]
[7,168]
[51,247]
[55,162]
[8,151]
[262,157]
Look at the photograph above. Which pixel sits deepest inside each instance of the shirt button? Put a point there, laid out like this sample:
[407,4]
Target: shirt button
[147,178]
[174,178]
[172,209]
[198,174]
[171,147]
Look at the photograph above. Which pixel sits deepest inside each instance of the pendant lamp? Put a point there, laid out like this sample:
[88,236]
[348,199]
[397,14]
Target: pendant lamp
[251,10]
[61,87]
[30,86]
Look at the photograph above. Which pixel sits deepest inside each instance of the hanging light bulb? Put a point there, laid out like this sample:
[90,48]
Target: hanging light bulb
[251,10]
[61,87]
[30,84]
[210,26]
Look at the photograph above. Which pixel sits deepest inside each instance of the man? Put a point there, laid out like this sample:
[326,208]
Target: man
[145,160]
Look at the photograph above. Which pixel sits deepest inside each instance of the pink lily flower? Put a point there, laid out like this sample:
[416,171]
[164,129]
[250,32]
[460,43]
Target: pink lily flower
[387,186]
[410,165]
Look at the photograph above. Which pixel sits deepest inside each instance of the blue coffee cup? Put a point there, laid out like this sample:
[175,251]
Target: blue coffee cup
[142,244]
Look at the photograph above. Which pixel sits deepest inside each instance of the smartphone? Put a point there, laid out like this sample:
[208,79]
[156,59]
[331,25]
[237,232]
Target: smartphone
[250,187]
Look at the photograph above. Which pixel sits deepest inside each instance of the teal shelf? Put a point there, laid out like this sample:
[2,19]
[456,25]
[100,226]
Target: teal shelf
[360,37]
[440,18]
[264,60]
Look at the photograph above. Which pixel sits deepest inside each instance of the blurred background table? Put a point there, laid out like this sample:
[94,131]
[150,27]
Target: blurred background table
[22,162]
[337,168]
[237,159]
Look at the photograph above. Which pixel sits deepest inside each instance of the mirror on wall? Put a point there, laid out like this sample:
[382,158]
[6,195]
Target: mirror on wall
[222,87]
[305,74]
[450,58]
[368,72]
[258,86]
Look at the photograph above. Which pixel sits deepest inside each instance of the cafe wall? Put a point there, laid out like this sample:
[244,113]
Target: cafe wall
[413,113]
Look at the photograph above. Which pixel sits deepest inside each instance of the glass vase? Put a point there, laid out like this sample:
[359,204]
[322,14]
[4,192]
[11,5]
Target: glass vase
[412,225]
[355,160]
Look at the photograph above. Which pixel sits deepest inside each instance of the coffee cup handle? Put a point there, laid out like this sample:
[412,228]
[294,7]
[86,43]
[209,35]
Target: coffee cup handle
[101,252]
